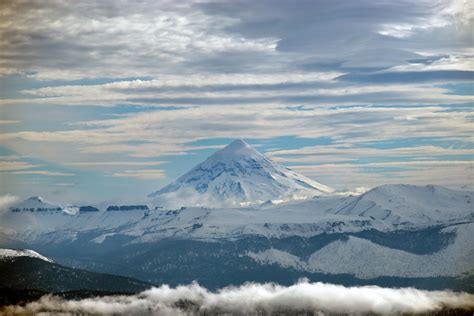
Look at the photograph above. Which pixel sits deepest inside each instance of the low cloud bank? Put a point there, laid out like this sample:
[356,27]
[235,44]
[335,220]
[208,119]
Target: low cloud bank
[251,298]
[6,201]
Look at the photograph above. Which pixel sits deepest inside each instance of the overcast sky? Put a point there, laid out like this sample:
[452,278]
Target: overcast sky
[114,99]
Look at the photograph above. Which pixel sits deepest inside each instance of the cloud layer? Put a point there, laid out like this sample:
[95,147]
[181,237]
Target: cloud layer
[253,298]
[138,82]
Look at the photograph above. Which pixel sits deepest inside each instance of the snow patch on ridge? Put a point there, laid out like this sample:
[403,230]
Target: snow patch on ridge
[14,253]
[33,204]
[281,258]
[365,259]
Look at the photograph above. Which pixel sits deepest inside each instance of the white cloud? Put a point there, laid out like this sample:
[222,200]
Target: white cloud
[253,298]
[451,174]
[452,62]
[445,13]
[193,80]
[230,69]
[6,201]
[161,132]
[151,36]
[429,163]
[270,121]
[353,131]
[143,174]
[56,40]
[335,153]
[64,184]
[407,29]
[40,172]
[10,157]
[114,163]
[162,92]
[15,165]
[4,122]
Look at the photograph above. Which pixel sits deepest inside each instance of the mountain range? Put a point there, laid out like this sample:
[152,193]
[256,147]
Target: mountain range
[271,224]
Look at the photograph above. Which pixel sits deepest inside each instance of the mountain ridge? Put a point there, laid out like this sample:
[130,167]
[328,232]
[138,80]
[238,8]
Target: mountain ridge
[35,203]
[424,223]
[385,208]
[23,272]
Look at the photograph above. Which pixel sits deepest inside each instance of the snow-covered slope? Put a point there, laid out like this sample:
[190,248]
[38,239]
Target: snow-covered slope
[35,204]
[235,176]
[25,270]
[392,230]
[365,259]
[410,204]
[385,208]
[13,253]
[397,205]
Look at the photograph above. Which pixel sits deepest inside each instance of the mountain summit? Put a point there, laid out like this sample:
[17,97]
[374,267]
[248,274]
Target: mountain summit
[35,204]
[235,176]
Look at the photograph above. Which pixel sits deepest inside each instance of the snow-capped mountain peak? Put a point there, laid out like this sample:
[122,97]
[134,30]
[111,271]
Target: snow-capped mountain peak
[235,176]
[237,148]
[35,203]
[6,253]
[37,199]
